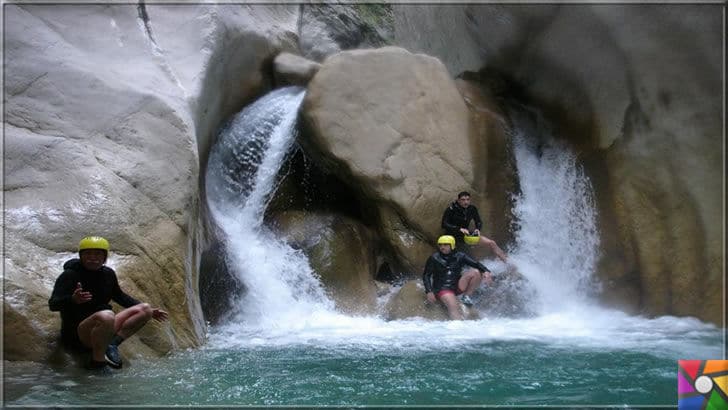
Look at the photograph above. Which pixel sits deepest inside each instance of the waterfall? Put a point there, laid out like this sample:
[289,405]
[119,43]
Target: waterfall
[555,248]
[241,173]
[556,237]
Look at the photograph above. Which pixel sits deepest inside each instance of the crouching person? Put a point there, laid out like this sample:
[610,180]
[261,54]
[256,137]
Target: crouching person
[82,294]
[446,276]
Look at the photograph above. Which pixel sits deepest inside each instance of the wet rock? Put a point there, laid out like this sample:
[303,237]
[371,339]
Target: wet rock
[291,69]
[341,251]
[327,29]
[108,110]
[410,302]
[637,90]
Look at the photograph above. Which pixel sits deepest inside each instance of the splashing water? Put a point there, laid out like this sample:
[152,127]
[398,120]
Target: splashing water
[557,240]
[281,286]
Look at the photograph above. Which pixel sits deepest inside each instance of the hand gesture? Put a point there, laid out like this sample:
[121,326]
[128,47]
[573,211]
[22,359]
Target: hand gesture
[431,297]
[159,315]
[464,231]
[476,232]
[79,295]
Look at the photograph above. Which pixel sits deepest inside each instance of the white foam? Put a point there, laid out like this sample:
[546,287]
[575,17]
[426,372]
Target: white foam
[597,329]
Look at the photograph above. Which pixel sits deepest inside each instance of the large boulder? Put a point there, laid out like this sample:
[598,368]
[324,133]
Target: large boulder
[107,110]
[394,125]
[290,69]
[637,90]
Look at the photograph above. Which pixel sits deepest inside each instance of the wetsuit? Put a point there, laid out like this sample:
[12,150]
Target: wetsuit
[456,217]
[442,272]
[103,286]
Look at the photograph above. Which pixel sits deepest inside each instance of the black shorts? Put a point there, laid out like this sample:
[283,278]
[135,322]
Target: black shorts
[73,342]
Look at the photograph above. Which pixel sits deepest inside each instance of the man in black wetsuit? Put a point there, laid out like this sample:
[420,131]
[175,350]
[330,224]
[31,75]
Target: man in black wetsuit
[444,277]
[82,294]
[456,220]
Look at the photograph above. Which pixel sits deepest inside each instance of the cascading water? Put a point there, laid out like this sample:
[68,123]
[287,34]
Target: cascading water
[556,238]
[243,164]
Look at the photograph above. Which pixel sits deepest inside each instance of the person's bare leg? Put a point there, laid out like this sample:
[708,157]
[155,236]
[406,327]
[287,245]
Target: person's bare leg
[96,332]
[494,247]
[470,281]
[130,320]
[453,306]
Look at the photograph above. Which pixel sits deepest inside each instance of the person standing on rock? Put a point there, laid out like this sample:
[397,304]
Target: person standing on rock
[456,220]
[444,277]
[82,294]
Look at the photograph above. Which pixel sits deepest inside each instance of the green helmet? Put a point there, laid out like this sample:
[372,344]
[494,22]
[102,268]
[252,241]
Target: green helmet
[93,242]
[471,239]
[447,240]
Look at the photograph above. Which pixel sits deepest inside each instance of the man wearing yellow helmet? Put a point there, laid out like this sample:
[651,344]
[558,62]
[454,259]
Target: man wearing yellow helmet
[82,294]
[457,218]
[444,278]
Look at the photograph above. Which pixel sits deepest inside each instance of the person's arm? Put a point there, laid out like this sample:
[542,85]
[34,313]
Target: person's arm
[427,276]
[427,280]
[62,295]
[476,218]
[474,264]
[446,225]
[484,271]
[120,297]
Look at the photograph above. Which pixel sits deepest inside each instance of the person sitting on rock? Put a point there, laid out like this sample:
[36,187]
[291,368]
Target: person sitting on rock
[456,220]
[444,277]
[82,294]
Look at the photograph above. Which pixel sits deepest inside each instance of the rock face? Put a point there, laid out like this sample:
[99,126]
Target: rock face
[291,69]
[637,89]
[108,109]
[327,29]
[394,124]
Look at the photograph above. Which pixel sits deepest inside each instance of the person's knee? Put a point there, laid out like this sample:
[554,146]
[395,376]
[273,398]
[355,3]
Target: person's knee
[146,310]
[105,317]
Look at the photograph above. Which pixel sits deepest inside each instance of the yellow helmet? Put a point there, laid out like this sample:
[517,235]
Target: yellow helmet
[93,242]
[447,239]
[471,239]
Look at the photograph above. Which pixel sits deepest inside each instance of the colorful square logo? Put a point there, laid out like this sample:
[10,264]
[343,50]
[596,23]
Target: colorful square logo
[702,385]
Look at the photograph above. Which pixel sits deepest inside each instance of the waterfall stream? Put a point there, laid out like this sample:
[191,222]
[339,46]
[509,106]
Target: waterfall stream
[556,238]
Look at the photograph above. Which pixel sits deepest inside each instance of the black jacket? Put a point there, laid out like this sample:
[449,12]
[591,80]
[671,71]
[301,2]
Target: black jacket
[456,217]
[103,286]
[444,271]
